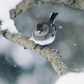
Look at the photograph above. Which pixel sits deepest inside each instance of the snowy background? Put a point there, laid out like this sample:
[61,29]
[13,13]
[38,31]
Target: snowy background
[19,66]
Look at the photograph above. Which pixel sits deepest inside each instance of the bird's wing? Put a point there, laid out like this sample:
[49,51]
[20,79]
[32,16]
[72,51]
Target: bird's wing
[52,30]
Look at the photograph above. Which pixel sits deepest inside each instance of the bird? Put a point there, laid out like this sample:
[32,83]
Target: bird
[45,32]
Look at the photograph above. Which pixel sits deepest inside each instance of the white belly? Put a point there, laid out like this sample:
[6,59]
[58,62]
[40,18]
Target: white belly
[45,42]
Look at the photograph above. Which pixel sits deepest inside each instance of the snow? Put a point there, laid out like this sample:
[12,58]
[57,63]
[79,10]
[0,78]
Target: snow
[7,22]
[71,78]
[61,62]
[55,50]
[4,12]
[75,44]
[11,4]
[60,27]
[26,79]
[9,25]
[15,65]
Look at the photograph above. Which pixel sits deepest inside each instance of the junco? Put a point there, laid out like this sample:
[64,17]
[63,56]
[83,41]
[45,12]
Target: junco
[44,33]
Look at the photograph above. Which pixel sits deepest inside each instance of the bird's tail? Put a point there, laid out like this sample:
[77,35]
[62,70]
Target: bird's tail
[52,17]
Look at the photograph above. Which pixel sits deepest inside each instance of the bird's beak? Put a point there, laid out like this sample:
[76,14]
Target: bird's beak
[39,32]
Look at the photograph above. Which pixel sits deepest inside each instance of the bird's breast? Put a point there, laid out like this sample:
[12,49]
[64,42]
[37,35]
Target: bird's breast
[39,38]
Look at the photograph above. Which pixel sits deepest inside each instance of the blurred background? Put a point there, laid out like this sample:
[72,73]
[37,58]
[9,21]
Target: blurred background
[19,66]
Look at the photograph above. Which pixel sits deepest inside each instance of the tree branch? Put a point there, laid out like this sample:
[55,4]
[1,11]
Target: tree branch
[49,54]
[79,4]
[21,7]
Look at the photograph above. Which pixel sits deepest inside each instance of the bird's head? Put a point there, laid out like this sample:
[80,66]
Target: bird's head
[42,28]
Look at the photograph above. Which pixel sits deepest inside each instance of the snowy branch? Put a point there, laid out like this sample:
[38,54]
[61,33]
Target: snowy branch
[21,7]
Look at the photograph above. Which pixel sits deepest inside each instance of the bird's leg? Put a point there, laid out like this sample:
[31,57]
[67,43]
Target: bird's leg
[41,47]
[35,46]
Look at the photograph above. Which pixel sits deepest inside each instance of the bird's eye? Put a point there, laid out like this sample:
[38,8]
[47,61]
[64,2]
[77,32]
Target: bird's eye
[41,30]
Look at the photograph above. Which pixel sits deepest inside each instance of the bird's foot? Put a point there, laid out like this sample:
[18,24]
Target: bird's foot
[42,46]
[35,46]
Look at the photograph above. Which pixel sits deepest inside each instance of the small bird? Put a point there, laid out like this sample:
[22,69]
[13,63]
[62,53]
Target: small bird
[44,33]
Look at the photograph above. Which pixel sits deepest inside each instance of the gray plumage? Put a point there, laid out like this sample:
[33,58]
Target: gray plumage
[45,32]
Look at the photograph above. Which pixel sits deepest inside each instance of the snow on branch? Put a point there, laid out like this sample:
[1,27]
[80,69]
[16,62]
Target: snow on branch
[71,78]
[9,9]
[5,7]
[20,8]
